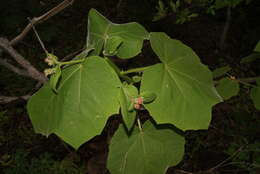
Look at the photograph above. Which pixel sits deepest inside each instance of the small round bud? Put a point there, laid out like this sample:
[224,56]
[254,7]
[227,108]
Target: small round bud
[232,77]
[51,59]
[139,100]
[137,106]
[49,71]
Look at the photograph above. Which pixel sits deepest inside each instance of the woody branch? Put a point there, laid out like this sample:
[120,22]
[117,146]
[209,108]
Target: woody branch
[27,69]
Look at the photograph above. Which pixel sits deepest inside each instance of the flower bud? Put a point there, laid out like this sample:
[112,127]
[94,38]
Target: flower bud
[49,71]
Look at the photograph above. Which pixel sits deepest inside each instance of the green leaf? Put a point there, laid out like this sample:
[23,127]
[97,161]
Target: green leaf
[220,71]
[44,111]
[250,58]
[111,45]
[127,95]
[150,151]
[257,47]
[148,96]
[83,54]
[55,78]
[255,95]
[100,30]
[227,88]
[183,85]
[88,95]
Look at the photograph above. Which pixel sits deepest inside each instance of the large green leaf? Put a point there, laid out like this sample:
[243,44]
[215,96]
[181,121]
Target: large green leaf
[101,30]
[127,95]
[255,95]
[183,85]
[150,151]
[44,111]
[228,88]
[87,96]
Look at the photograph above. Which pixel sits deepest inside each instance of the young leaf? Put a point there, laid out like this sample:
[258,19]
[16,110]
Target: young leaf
[183,85]
[220,71]
[111,45]
[88,95]
[55,78]
[150,151]
[101,29]
[126,98]
[148,97]
[228,88]
[255,95]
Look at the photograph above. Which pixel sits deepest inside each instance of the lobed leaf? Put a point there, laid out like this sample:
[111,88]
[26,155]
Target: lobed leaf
[44,111]
[183,85]
[150,151]
[87,96]
[101,30]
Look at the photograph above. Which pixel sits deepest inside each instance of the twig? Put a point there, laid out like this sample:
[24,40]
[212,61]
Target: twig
[249,79]
[225,30]
[224,161]
[69,56]
[118,6]
[40,19]
[32,71]
[38,37]
[8,99]
[245,81]
[183,171]
[13,68]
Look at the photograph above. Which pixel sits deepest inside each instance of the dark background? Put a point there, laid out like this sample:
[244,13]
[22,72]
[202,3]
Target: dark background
[235,123]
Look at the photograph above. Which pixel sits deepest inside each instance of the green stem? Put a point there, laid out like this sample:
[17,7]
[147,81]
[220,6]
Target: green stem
[244,83]
[117,70]
[250,79]
[139,125]
[134,70]
[71,62]
[247,81]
